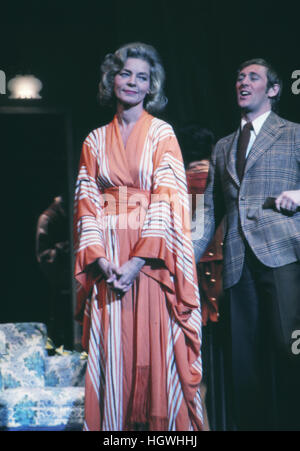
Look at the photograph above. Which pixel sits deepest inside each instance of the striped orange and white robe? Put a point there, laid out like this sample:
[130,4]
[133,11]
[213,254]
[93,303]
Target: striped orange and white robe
[144,360]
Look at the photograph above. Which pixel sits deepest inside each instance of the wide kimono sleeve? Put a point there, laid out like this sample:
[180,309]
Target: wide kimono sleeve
[88,226]
[165,235]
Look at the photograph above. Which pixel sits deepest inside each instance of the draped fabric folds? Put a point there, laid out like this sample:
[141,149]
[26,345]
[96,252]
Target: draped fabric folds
[144,362]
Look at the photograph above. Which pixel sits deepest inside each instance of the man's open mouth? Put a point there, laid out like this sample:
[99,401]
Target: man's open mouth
[245,93]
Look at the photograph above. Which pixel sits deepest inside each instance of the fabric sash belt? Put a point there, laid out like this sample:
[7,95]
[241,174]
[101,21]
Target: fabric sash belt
[124,199]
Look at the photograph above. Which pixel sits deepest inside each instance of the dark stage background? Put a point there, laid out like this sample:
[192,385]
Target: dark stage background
[63,43]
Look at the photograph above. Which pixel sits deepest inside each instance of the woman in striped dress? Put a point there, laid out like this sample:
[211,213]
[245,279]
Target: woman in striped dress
[137,290]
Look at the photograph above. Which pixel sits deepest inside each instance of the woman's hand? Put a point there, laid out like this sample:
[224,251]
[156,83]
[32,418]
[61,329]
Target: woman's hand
[125,275]
[108,269]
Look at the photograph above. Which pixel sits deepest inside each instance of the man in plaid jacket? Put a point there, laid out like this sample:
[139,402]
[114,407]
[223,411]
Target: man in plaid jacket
[255,187]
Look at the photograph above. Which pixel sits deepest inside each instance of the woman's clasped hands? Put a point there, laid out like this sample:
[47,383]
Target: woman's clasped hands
[120,279]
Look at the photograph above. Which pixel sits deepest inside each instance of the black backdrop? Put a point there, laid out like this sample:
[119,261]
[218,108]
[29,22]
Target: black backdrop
[201,44]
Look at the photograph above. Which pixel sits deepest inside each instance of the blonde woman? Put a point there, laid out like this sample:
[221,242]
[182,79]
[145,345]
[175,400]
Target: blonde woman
[138,296]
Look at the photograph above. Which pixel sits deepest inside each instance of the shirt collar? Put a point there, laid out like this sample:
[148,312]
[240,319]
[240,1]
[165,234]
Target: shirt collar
[257,123]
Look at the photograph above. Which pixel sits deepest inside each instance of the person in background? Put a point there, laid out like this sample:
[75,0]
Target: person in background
[53,256]
[142,322]
[197,144]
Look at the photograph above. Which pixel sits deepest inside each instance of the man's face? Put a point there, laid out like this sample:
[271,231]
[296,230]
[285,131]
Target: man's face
[251,89]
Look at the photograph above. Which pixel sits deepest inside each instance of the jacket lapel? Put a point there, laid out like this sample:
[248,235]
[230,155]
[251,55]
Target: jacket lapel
[230,156]
[269,133]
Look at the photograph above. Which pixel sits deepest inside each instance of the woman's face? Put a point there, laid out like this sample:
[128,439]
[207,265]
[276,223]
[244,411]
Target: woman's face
[132,83]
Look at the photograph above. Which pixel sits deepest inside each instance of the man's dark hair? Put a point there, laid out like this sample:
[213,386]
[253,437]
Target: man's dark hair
[196,143]
[272,76]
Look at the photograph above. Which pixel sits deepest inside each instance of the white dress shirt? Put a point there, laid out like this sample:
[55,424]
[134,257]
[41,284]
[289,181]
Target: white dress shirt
[257,125]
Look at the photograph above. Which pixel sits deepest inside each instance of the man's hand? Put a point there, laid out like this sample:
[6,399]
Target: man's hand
[288,200]
[124,276]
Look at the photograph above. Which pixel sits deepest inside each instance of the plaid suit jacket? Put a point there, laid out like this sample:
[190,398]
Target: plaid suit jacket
[273,166]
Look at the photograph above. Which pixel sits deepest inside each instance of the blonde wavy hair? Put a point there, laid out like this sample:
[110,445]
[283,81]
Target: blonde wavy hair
[114,63]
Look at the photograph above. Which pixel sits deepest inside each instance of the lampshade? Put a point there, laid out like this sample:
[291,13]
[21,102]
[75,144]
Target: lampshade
[25,87]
